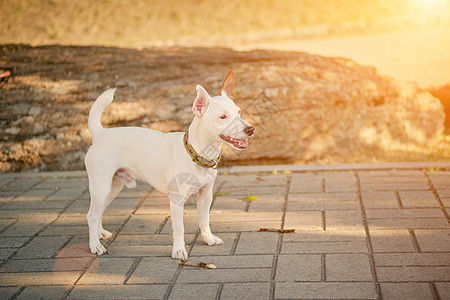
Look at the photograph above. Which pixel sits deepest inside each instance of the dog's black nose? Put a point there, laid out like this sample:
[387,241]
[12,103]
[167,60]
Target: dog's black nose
[249,130]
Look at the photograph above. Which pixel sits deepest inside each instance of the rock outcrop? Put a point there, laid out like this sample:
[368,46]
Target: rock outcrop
[305,108]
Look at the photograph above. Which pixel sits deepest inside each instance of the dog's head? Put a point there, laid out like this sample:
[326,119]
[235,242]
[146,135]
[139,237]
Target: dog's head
[221,116]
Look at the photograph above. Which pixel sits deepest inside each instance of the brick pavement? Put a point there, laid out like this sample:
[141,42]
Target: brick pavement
[361,232]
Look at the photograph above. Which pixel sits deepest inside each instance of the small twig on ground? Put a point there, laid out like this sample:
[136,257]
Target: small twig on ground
[198,265]
[276,230]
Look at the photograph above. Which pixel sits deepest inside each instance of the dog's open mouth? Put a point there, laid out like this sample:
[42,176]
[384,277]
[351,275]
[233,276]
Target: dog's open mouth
[236,143]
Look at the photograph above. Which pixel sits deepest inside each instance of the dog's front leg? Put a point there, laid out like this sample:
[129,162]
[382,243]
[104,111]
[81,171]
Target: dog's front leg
[203,206]
[176,214]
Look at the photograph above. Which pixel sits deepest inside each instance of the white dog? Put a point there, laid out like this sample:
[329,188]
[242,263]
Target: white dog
[178,164]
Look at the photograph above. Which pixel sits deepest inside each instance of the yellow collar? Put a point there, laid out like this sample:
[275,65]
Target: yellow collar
[199,160]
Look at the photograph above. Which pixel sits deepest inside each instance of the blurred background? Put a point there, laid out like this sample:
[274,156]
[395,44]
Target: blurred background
[382,67]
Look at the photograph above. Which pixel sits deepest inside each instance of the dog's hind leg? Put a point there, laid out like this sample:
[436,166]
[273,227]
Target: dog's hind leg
[116,187]
[99,197]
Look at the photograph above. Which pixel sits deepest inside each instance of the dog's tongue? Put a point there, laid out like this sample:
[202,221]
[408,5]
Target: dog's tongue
[243,143]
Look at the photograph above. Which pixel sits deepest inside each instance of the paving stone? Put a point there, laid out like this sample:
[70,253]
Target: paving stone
[34,195]
[428,223]
[229,203]
[418,199]
[410,291]
[257,243]
[391,241]
[306,183]
[12,242]
[29,213]
[154,270]
[36,205]
[42,247]
[147,239]
[325,290]
[267,203]
[393,186]
[45,265]
[77,247]
[243,226]
[74,230]
[413,274]
[324,236]
[139,251]
[194,291]
[347,267]
[325,247]
[411,259]
[108,292]
[340,182]
[248,291]
[433,240]
[201,249]
[67,193]
[235,261]
[393,176]
[443,289]
[106,271]
[190,223]
[343,220]
[23,183]
[440,180]
[43,292]
[7,252]
[379,199]
[38,278]
[8,292]
[81,220]
[404,213]
[303,220]
[303,267]
[254,180]
[322,201]
[143,224]
[254,190]
[196,275]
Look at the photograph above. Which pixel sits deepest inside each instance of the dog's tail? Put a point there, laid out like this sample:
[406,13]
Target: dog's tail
[95,115]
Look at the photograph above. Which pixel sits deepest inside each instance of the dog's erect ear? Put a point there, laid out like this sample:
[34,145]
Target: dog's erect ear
[201,102]
[228,86]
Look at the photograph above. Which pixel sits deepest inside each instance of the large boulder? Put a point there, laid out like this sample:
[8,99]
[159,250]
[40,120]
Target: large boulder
[305,108]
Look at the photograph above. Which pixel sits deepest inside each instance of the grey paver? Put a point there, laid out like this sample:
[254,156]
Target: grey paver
[406,291]
[443,289]
[391,241]
[154,270]
[349,226]
[325,290]
[42,247]
[257,290]
[195,275]
[433,240]
[43,292]
[108,292]
[322,201]
[257,243]
[348,267]
[412,274]
[107,271]
[194,291]
[418,199]
[307,267]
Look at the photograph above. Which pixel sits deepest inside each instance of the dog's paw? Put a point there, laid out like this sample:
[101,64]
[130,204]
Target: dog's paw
[179,253]
[98,249]
[105,234]
[212,240]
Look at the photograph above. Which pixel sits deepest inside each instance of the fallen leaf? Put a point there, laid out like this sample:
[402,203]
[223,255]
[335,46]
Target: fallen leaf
[251,198]
[287,172]
[275,172]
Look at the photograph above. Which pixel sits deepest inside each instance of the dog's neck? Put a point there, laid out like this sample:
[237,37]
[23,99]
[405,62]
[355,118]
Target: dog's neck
[204,146]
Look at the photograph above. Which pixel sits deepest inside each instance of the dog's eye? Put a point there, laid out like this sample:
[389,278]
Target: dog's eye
[223,117]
